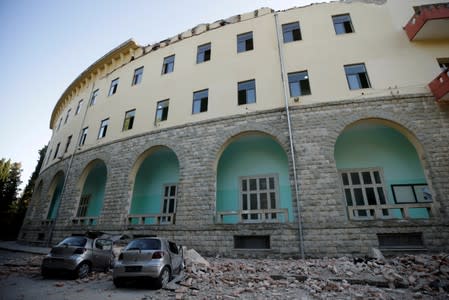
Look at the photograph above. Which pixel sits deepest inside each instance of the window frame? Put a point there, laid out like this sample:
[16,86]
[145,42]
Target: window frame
[204,53]
[241,88]
[83,206]
[290,34]
[137,77]
[245,43]
[130,119]
[163,110]
[67,115]
[166,202]
[413,186]
[201,100]
[346,24]
[168,61]
[293,75]
[114,87]
[374,185]
[268,216]
[78,107]
[67,145]
[358,77]
[93,97]
[103,128]
[57,150]
[83,136]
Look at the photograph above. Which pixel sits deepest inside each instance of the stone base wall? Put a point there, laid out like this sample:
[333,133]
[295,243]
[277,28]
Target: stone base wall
[326,228]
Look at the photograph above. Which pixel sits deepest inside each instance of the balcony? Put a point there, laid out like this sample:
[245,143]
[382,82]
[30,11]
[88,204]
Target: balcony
[429,22]
[440,86]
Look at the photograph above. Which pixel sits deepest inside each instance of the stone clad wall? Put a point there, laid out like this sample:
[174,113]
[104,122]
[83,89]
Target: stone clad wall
[327,230]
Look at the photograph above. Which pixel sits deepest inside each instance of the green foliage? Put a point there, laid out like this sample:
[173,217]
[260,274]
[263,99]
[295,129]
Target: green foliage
[29,188]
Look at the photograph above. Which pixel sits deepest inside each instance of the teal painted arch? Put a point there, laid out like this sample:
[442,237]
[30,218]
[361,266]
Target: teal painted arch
[93,180]
[156,167]
[377,144]
[55,194]
[251,154]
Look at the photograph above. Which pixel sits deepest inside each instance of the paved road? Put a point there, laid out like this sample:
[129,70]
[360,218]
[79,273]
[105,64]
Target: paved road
[20,279]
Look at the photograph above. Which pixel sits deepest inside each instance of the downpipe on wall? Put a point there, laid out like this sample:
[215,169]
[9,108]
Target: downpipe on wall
[290,136]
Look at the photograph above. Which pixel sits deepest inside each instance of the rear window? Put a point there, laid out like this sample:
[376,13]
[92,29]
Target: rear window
[144,244]
[75,241]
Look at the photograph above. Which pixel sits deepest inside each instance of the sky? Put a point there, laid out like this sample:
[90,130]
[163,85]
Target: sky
[46,44]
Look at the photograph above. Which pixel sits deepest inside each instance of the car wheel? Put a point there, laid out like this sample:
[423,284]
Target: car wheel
[118,282]
[164,277]
[83,270]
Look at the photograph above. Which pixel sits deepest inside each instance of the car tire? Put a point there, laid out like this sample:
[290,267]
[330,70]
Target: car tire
[164,277]
[82,270]
[118,282]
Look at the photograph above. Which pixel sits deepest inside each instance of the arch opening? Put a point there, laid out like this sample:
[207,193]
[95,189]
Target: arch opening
[253,183]
[92,195]
[155,190]
[55,193]
[381,172]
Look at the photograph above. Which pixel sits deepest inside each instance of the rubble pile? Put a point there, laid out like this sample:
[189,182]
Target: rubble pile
[409,276]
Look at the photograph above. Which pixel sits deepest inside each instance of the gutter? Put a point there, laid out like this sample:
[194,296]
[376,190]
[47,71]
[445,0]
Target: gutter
[290,136]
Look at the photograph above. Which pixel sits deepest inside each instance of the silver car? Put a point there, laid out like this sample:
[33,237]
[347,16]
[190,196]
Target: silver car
[154,258]
[78,255]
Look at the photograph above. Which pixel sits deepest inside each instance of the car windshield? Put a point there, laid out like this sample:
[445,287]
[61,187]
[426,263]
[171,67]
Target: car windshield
[73,241]
[144,244]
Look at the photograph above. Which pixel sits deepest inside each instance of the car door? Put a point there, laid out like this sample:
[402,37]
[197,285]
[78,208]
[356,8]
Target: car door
[176,256]
[102,253]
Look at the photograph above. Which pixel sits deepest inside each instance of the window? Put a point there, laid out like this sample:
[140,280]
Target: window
[114,86]
[411,193]
[162,111]
[245,42]
[168,203]
[444,64]
[137,78]
[67,145]
[103,128]
[247,92]
[258,193]
[129,120]
[298,84]
[93,99]
[57,150]
[363,188]
[78,107]
[203,53]
[357,77]
[83,136]
[169,64]
[48,157]
[291,32]
[84,204]
[200,100]
[67,115]
[60,122]
[342,24]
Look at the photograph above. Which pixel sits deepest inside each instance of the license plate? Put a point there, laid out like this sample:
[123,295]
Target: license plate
[133,268]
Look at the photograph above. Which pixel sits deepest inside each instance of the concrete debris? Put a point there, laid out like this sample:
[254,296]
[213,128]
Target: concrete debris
[420,276]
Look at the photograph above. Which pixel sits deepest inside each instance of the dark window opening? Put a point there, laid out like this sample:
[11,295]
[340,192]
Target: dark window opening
[252,242]
[412,240]
[200,100]
[245,42]
[247,92]
[291,32]
[342,24]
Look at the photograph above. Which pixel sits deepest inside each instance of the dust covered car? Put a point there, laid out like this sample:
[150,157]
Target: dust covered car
[153,258]
[78,255]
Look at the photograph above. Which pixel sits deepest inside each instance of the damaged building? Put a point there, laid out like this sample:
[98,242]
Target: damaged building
[320,130]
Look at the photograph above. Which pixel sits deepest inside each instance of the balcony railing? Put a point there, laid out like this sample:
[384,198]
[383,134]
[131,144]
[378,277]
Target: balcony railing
[440,86]
[388,211]
[253,216]
[85,221]
[430,22]
[151,219]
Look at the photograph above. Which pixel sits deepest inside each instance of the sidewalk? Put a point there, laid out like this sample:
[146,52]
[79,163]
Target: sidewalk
[14,246]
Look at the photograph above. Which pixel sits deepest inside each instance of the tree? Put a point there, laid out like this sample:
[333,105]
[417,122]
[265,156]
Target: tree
[9,188]
[5,165]
[29,188]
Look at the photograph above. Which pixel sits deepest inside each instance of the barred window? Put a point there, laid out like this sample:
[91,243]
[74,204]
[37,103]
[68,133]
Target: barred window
[84,204]
[259,193]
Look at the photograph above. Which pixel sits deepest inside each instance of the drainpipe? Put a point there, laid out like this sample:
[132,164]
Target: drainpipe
[290,136]
[53,224]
